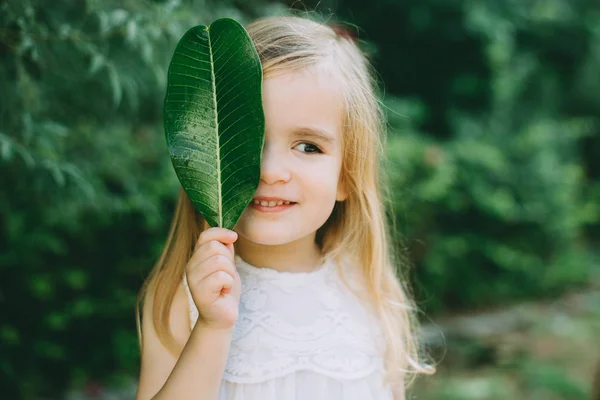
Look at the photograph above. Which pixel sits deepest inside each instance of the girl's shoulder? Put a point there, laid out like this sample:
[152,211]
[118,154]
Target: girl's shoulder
[355,285]
[352,275]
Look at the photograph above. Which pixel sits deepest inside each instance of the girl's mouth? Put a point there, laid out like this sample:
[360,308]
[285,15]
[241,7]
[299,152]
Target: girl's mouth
[271,209]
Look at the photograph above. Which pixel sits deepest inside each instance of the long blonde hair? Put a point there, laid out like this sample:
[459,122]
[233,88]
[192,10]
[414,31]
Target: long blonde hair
[357,228]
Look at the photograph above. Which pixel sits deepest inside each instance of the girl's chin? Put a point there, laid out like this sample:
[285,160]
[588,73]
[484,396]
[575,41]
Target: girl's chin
[265,235]
[268,240]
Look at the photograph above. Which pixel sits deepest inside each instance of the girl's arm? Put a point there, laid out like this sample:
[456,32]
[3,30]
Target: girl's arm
[399,393]
[197,373]
[399,396]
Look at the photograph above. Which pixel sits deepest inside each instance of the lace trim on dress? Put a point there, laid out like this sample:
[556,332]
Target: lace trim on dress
[292,321]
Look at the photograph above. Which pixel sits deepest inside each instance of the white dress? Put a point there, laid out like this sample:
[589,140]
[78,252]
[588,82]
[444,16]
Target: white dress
[301,336]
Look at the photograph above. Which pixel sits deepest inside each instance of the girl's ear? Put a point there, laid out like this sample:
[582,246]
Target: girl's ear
[342,191]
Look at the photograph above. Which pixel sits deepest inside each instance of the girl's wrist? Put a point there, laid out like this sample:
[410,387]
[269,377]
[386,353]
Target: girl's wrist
[209,338]
[208,329]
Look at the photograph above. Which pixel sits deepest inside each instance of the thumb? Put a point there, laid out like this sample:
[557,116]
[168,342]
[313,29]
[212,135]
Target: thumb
[231,247]
[232,250]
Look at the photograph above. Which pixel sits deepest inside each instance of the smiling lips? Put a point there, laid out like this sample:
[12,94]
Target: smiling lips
[271,204]
[270,201]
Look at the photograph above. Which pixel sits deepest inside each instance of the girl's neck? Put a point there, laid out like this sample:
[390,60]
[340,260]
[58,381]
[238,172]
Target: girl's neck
[302,255]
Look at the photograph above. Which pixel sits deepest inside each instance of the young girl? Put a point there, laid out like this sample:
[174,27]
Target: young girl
[300,300]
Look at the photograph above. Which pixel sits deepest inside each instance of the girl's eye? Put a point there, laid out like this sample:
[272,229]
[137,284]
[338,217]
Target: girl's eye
[310,148]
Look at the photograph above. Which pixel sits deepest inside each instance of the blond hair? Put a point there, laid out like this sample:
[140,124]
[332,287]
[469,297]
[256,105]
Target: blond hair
[357,228]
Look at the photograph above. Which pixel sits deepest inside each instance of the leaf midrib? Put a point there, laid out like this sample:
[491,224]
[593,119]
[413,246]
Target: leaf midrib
[214,93]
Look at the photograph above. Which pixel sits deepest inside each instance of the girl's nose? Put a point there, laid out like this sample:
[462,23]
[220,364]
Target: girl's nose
[274,166]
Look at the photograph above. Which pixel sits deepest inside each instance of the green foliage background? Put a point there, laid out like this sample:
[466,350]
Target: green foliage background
[494,157]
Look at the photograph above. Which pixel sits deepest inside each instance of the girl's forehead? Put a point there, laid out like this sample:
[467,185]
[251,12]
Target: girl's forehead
[303,98]
[316,72]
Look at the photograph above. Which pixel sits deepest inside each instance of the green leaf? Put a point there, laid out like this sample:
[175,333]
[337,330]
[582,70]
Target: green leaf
[115,84]
[214,119]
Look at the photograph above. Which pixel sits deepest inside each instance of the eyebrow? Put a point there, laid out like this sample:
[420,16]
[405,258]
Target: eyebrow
[313,133]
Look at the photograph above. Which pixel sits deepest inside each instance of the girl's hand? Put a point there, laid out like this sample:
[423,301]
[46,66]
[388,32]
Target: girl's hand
[213,278]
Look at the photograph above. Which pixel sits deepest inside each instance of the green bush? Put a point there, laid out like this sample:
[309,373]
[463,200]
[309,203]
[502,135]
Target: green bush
[494,218]
[88,188]
[500,210]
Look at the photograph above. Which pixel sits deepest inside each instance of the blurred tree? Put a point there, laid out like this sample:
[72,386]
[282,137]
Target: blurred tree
[493,109]
[423,50]
[87,184]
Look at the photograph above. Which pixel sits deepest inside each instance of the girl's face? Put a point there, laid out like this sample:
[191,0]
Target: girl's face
[302,157]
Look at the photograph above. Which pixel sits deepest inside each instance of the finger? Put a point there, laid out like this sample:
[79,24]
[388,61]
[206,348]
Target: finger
[217,281]
[231,249]
[227,286]
[220,234]
[217,262]
[209,289]
[211,249]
